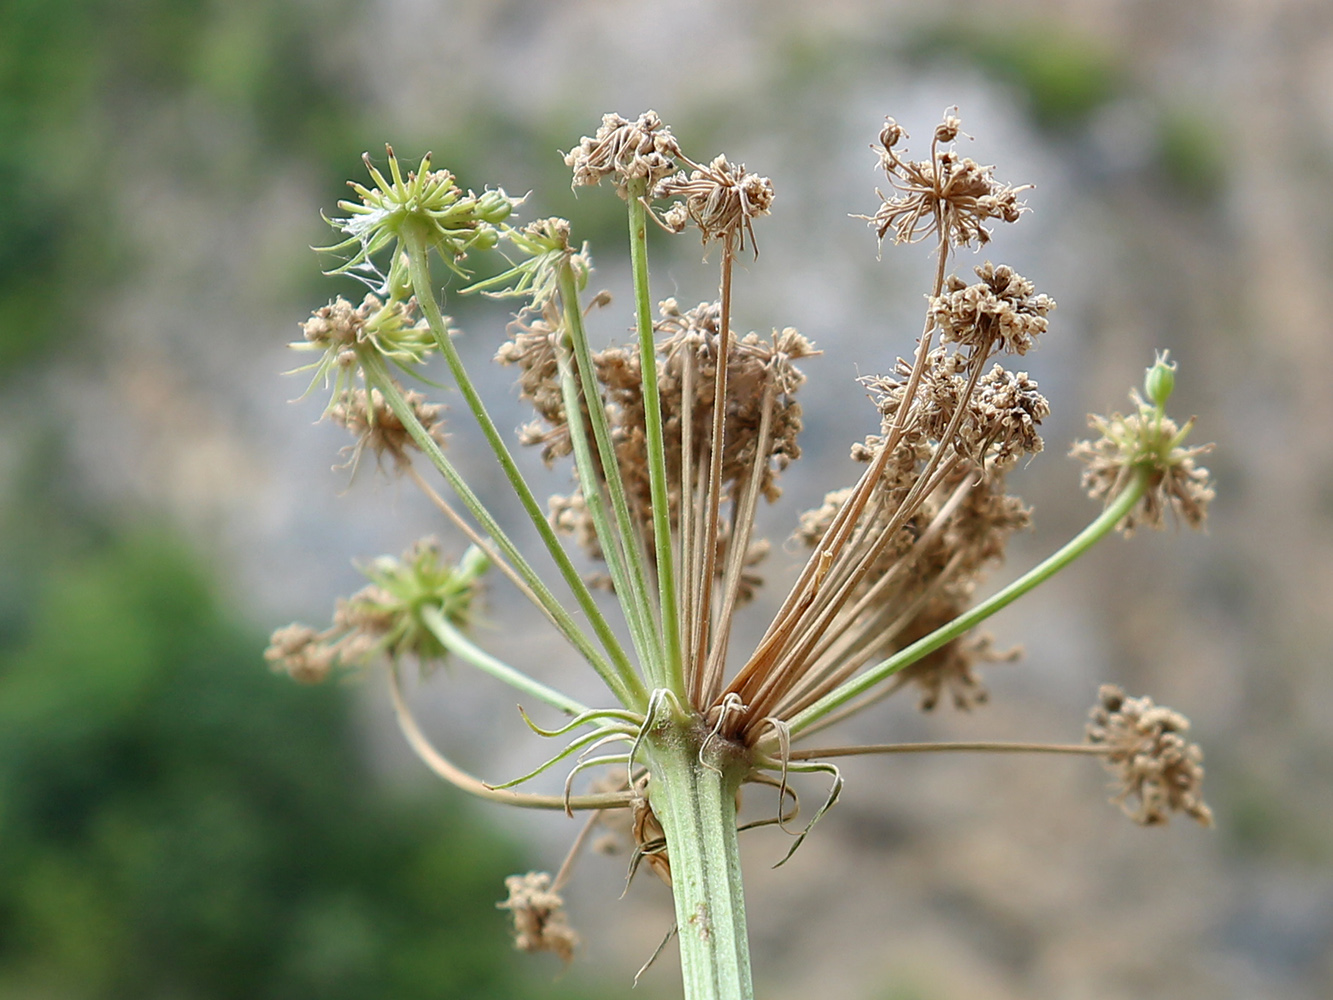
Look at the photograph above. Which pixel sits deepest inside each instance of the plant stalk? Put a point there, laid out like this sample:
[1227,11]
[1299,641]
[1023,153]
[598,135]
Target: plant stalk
[695,801]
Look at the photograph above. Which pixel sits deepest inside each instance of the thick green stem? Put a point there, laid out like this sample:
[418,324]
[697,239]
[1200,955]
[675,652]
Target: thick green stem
[695,801]
[1076,546]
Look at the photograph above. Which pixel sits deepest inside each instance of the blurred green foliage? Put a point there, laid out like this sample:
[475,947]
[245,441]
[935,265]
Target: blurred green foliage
[73,73]
[1191,154]
[176,822]
[1063,78]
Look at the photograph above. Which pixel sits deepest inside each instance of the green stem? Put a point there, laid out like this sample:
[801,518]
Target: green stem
[377,377]
[696,805]
[633,589]
[652,408]
[456,642]
[1076,546]
[626,684]
[593,499]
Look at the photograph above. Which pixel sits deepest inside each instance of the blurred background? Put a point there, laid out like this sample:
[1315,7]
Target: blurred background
[177,823]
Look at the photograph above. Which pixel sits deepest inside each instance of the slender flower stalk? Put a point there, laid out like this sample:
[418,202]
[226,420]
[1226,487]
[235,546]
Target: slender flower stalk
[675,438]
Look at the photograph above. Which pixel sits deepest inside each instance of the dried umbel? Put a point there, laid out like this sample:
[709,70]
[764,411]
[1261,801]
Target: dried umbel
[540,923]
[643,150]
[1000,309]
[1158,771]
[674,438]
[378,428]
[721,199]
[946,195]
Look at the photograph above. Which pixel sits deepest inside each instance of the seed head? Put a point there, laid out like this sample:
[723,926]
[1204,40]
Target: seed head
[998,313]
[342,332]
[531,348]
[386,617]
[947,193]
[538,910]
[429,203]
[721,199]
[1157,770]
[546,249]
[1147,439]
[378,428]
[642,149]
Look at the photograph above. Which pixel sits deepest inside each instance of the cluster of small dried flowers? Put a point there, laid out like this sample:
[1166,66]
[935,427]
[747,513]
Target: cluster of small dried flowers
[1159,771]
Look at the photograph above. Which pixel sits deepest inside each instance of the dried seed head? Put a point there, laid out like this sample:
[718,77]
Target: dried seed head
[1007,409]
[761,373]
[343,332]
[378,428]
[540,923]
[1157,770]
[301,653]
[999,313]
[939,393]
[532,348]
[947,130]
[946,194]
[643,149]
[338,325]
[761,420]
[721,199]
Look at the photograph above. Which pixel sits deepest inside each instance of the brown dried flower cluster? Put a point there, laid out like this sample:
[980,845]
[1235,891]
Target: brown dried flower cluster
[721,199]
[532,349]
[538,910]
[762,418]
[991,418]
[340,325]
[643,149]
[1158,770]
[947,194]
[1000,309]
[378,428]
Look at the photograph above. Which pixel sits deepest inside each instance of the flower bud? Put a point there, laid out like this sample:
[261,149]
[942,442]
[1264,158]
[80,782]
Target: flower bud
[485,239]
[494,206]
[1160,380]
